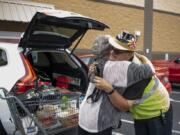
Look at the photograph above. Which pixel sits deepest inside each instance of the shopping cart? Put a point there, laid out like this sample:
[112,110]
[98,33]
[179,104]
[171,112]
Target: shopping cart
[46,112]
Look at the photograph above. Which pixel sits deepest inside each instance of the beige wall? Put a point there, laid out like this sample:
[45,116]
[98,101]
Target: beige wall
[166,26]
[166,32]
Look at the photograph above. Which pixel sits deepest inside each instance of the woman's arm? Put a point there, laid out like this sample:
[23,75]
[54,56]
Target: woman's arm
[116,99]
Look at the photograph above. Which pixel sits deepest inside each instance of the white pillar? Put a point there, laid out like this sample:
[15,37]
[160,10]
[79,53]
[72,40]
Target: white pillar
[166,56]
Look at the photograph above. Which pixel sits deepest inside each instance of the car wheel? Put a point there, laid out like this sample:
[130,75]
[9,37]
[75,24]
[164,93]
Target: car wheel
[2,130]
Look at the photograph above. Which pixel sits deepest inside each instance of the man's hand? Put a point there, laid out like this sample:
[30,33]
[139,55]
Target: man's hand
[103,84]
[145,60]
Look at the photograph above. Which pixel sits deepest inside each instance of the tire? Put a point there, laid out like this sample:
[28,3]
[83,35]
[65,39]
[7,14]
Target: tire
[2,130]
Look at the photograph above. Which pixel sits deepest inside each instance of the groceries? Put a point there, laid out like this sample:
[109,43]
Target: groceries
[67,82]
[58,110]
[50,108]
[52,116]
[47,116]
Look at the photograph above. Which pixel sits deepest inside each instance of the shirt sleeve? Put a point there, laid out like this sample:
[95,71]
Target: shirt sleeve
[138,72]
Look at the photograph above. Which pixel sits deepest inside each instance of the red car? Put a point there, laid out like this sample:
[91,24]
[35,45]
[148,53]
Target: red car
[174,70]
[173,67]
[162,72]
[161,68]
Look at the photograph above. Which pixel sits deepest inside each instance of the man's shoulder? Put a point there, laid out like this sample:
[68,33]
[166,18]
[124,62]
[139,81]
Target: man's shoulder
[136,60]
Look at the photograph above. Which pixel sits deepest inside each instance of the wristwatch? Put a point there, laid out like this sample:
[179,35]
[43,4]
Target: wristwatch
[111,92]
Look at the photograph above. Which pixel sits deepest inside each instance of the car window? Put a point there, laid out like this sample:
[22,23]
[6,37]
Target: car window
[40,59]
[3,58]
[62,58]
[177,60]
[86,60]
[55,30]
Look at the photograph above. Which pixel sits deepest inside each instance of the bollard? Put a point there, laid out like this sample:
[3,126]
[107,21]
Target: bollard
[166,56]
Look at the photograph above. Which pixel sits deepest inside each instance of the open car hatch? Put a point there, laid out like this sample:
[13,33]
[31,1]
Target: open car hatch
[57,29]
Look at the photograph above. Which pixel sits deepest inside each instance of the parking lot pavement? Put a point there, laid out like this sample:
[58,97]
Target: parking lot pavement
[127,121]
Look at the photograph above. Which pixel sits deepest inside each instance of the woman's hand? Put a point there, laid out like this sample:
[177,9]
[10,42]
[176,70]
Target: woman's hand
[92,68]
[103,84]
[145,60]
[142,58]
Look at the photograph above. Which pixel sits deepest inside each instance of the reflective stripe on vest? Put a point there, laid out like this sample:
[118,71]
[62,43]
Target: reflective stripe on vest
[151,91]
[152,105]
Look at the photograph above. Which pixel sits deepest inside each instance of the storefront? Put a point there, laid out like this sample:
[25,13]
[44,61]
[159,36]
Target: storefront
[14,17]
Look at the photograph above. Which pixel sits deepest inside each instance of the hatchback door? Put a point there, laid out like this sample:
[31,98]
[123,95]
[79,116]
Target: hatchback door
[57,29]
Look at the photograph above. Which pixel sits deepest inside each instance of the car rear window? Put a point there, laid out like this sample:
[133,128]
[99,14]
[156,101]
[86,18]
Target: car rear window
[45,59]
[3,58]
[40,59]
[63,58]
[62,31]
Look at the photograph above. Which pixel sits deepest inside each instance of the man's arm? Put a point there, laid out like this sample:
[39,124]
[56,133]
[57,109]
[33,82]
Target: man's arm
[120,102]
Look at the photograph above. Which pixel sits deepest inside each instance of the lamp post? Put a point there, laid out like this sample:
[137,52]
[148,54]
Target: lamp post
[148,28]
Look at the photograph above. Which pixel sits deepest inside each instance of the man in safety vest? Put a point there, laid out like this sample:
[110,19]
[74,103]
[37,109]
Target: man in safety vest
[148,101]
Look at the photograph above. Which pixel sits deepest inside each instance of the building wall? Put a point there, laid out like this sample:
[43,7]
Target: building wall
[166,27]
[166,32]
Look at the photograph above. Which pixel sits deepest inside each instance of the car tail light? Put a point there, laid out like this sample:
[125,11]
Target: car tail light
[27,81]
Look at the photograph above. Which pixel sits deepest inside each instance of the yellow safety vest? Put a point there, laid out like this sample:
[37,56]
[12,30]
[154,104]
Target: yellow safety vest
[155,100]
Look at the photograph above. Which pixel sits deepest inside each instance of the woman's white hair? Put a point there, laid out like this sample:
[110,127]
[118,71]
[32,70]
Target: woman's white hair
[101,44]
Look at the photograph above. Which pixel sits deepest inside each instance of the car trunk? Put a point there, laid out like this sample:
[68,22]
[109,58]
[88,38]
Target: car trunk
[60,69]
[52,33]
